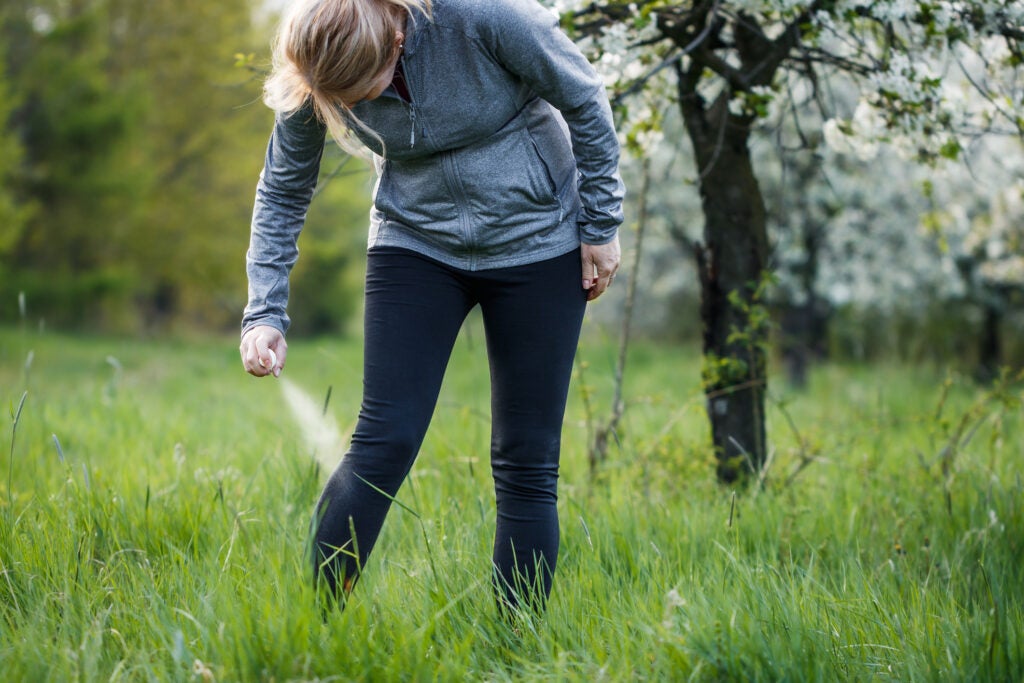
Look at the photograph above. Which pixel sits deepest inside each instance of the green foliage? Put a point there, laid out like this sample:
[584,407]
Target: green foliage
[950,149]
[96,298]
[71,119]
[750,338]
[14,213]
[753,312]
[160,502]
[326,285]
[142,136]
[723,372]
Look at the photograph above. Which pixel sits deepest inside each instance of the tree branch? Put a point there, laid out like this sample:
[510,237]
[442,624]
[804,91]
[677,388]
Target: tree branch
[673,56]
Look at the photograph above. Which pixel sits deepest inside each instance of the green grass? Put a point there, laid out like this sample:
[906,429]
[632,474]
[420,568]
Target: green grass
[163,538]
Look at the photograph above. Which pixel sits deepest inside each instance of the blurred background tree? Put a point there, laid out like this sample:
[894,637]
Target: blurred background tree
[736,66]
[981,230]
[13,209]
[71,119]
[137,135]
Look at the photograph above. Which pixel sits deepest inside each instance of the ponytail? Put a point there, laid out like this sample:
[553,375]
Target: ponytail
[326,49]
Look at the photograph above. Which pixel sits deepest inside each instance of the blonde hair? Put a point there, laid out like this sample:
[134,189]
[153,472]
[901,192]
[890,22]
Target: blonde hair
[327,49]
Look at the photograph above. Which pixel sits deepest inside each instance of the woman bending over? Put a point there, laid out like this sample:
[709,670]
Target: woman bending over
[497,186]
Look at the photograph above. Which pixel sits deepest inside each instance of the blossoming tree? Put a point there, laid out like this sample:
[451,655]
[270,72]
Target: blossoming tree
[728,64]
[983,234]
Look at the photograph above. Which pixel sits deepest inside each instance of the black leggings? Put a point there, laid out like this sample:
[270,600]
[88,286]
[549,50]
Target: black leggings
[415,307]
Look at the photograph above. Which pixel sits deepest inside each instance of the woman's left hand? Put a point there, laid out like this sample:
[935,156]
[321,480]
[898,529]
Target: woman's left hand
[600,262]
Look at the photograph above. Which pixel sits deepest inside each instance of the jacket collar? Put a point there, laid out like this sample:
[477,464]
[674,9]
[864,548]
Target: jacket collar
[412,22]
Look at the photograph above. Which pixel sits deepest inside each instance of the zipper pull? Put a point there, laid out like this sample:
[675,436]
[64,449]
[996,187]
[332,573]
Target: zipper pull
[412,131]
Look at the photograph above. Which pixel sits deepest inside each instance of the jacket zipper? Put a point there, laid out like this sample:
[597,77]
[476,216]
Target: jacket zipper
[453,181]
[409,104]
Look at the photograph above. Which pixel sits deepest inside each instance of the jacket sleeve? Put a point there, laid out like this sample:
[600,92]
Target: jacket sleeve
[526,40]
[283,194]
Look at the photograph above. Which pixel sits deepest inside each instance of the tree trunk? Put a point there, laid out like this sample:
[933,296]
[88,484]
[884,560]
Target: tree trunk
[795,323]
[803,336]
[731,264]
[990,347]
[803,319]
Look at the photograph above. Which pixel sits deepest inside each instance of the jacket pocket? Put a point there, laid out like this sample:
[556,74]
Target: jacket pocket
[550,138]
[509,178]
[414,192]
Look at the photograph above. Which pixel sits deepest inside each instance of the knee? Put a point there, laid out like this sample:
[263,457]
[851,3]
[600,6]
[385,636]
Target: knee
[522,447]
[388,435]
[384,455]
[526,465]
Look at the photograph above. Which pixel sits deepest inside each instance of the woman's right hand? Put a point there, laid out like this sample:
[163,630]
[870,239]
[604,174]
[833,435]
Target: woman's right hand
[261,347]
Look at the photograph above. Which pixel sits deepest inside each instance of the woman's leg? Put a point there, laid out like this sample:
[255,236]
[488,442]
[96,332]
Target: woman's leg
[532,316]
[414,309]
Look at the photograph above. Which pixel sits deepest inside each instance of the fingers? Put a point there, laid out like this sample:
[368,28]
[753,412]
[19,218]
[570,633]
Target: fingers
[263,350]
[600,263]
[600,286]
[589,271]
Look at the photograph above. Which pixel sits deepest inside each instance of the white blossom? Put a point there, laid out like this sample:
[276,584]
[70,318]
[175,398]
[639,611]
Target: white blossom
[935,87]
[859,136]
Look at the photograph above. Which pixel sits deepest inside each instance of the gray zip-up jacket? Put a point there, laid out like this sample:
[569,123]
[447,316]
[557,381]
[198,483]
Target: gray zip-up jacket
[505,154]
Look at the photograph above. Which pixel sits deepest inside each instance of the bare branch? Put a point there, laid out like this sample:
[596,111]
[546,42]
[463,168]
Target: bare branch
[599,449]
[818,56]
[987,95]
[672,57]
[639,84]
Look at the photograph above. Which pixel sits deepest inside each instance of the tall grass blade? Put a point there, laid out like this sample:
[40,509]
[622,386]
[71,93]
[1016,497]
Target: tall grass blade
[60,451]
[15,418]
[423,527]
[327,400]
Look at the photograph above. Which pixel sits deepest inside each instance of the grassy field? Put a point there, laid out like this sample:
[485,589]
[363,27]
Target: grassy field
[155,500]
